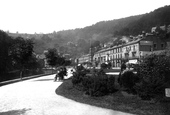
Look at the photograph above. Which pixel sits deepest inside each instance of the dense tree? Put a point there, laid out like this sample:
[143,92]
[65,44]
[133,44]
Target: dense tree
[21,52]
[52,56]
[17,54]
[5,43]
[153,73]
[55,60]
[34,63]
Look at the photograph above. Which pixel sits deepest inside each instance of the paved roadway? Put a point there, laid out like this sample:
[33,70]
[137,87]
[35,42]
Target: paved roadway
[37,97]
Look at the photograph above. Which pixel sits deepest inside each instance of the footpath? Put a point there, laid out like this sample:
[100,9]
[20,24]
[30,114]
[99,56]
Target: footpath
[37,97]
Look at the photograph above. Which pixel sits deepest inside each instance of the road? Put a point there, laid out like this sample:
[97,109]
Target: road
[37,97]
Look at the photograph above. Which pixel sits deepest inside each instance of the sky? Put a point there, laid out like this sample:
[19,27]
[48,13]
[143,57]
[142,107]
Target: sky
[46,16]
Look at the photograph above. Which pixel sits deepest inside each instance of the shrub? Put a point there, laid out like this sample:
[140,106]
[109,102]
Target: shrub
[128,80]
[154,77]
[76,78]
[103,66]
[111,84]
[78,75]
[96,85]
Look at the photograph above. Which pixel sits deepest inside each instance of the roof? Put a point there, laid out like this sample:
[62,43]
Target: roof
[132,42]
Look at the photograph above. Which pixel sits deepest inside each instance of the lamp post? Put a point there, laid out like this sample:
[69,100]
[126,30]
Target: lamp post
[90,53]
[108,56]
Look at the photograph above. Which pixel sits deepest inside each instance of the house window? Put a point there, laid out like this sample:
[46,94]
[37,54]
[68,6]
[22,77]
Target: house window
[126,55]
[133,54]
[133,47]
[162,46]
[126,48]
[110,57]
[104,58]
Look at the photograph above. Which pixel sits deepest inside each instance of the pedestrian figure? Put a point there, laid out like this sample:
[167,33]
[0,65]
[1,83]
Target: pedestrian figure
[60,74]
[64,71]
[56,78]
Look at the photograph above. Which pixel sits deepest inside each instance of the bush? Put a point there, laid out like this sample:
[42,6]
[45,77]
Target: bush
[79,75]
[128,80]
[76,78]
[111,84]
[154,77]
[96,85]
[103,66]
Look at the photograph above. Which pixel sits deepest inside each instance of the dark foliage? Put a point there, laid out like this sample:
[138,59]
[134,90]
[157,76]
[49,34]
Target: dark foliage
[54,59]
[154,77]
[17,56]
[79,75]
[5,44]
[103,66]
[128,80]
[21,51]
[95,83]
[111,84]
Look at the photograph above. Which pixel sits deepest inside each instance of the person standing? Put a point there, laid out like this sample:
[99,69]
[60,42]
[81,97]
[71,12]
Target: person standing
[56,76]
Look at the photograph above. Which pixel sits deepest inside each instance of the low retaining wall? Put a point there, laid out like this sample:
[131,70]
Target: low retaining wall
[24,78]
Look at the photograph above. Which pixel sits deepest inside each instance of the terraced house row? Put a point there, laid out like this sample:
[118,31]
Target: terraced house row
[132,51]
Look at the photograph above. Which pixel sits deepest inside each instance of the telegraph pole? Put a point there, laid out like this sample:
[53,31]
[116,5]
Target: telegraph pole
[91,57]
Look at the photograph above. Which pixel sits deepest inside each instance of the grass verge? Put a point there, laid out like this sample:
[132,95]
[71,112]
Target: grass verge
[119,101]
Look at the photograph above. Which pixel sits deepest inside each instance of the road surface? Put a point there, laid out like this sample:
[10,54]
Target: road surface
[37,97]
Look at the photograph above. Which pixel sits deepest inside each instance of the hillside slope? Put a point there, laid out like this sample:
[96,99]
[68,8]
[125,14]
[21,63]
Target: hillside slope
[100,32]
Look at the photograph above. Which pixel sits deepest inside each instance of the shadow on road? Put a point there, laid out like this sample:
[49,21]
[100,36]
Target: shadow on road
[15,112]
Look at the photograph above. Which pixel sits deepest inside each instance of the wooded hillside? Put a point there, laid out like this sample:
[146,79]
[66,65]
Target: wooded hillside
[77,41]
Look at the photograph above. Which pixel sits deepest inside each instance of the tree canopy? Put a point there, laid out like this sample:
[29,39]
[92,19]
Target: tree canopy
[16,54]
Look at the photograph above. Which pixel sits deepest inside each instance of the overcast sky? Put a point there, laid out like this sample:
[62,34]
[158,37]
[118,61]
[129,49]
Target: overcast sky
[46,16]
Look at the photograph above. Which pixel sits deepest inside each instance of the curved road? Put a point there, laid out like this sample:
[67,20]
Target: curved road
[37,97]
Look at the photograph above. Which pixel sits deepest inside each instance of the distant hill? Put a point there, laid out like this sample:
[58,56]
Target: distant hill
[100,32]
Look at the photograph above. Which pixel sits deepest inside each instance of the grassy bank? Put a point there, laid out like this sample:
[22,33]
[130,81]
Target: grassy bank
[120,101]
